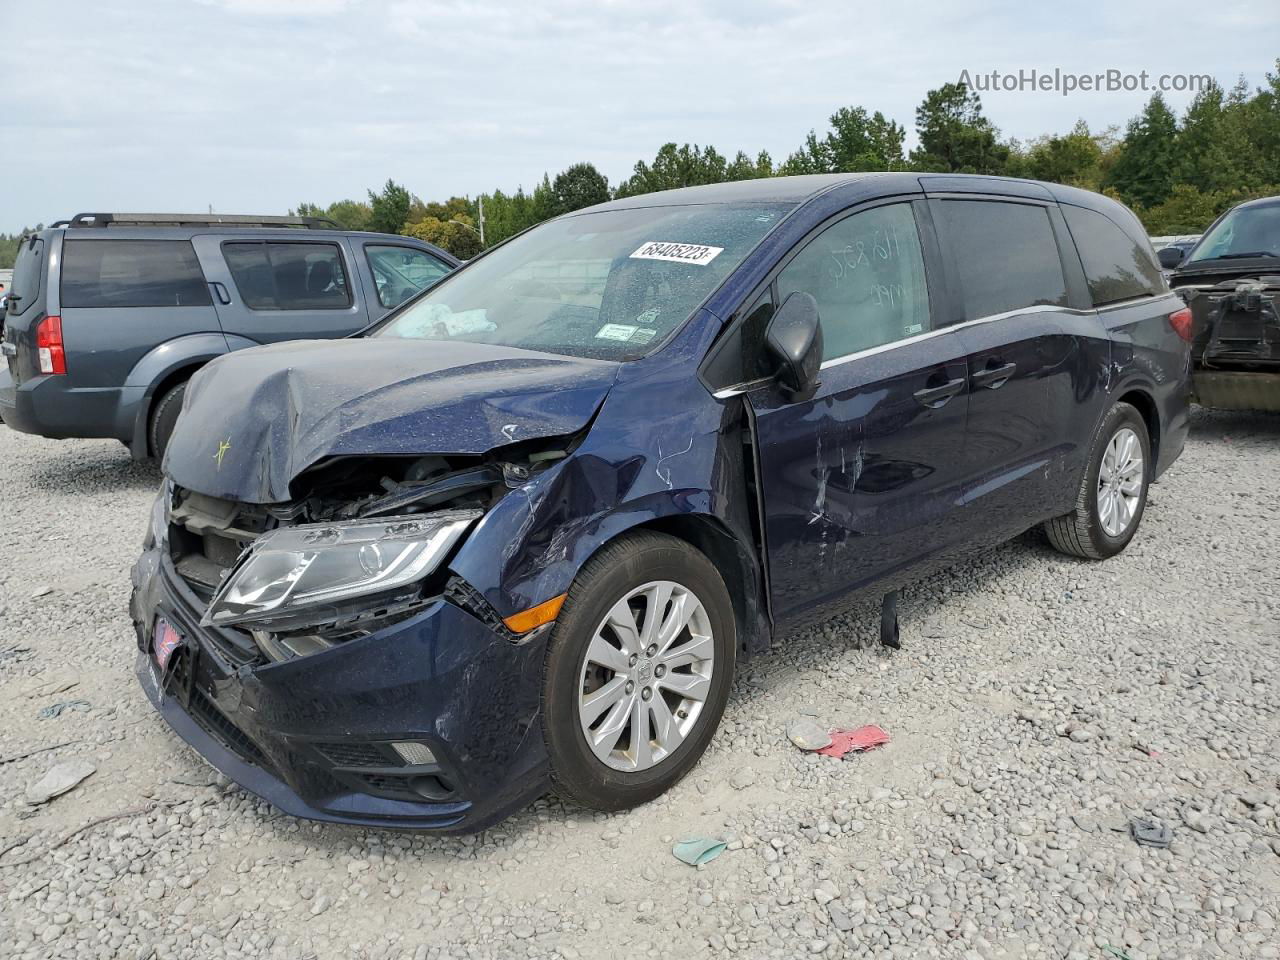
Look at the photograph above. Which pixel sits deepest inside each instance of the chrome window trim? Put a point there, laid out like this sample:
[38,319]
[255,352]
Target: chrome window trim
[741,388]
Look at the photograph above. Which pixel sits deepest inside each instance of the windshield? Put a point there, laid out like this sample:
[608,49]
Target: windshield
[608,285]
[1252,231]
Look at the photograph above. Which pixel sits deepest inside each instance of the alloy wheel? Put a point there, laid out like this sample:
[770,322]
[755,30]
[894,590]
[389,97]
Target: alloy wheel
[1120,479]
[646,676]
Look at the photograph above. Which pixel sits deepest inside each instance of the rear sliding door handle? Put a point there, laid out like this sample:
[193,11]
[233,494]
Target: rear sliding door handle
[993,378]
[220,292]
[935,397]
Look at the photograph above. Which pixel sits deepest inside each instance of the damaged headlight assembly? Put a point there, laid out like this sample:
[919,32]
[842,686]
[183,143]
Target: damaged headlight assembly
[292,570]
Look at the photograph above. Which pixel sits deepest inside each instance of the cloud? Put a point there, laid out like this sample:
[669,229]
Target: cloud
[257,105]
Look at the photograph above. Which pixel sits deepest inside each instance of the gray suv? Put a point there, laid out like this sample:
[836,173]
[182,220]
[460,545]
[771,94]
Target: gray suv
[109,315]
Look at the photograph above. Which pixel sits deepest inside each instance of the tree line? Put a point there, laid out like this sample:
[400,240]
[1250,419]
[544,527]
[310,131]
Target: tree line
[1176,172]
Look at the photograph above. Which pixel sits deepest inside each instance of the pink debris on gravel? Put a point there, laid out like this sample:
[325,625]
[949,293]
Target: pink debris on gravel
[845,741]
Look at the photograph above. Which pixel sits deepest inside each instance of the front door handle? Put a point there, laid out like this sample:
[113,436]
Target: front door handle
[220,292]
[993,378]
[934,397]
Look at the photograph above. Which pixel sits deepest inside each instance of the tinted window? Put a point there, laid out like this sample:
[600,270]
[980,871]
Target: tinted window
[867,274]
[1116,266]
[400,272]
[25,288]
[288,276]
[1005,253]
[132,273]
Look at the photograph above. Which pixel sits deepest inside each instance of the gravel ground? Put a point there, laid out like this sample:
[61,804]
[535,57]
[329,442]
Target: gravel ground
[1038,704]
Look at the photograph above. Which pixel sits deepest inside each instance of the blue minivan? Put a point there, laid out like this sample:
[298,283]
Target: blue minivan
[518,535]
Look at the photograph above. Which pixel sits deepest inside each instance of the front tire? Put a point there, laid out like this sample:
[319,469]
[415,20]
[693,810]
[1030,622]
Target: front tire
[1113,493]
[638,671]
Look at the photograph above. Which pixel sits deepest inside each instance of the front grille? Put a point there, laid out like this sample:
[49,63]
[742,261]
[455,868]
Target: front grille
[432,789]
[216,724]
[180,685]
[357,755]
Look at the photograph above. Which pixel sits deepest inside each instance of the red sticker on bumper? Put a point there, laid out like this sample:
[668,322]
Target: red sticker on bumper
[166,641]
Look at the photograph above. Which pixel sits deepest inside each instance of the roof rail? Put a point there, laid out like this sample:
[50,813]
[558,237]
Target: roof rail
[197,220]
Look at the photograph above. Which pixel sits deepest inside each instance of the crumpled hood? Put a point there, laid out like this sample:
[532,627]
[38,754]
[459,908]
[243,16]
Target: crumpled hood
[253,420]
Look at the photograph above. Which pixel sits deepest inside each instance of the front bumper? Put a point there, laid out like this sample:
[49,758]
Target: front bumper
[310,735]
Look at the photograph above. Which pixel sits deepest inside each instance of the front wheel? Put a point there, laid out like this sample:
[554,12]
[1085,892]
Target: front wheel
[638,671]
[1113,493]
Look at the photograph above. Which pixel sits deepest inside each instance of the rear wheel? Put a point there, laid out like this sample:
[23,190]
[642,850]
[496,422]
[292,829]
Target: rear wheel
[638,671]
[1113,493]
[163,417]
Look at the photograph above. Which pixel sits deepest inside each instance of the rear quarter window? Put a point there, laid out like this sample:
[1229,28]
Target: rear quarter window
[27,270]
[1006,255]
[1116,266]
[132,273]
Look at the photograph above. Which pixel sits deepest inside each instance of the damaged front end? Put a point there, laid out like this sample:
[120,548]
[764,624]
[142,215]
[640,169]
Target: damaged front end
[421,707]
[363,545]
[1236,341]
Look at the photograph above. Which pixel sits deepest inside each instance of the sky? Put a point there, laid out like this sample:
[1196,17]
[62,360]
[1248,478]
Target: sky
[254,106]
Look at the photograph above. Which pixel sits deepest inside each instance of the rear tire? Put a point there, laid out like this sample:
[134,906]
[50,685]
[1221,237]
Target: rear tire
[1113,492]
[163,417]
[671,684]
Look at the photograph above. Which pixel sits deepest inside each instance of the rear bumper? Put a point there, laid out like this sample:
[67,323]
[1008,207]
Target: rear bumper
[1237,389]
[297,734]
[48,407]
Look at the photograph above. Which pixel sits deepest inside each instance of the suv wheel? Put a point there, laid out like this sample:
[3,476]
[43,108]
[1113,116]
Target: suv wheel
[638,671]
[1113,493]
[163,416]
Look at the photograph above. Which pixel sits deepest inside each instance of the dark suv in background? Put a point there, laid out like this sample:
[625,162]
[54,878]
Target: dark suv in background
[109,315]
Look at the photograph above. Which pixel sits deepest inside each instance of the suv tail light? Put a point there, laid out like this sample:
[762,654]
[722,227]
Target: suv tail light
[1180,320]
[53,359]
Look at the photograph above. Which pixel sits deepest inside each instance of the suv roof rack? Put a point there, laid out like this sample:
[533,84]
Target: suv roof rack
[195,220]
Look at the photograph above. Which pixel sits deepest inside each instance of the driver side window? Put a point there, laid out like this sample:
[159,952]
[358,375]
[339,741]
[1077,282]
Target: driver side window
[867,274]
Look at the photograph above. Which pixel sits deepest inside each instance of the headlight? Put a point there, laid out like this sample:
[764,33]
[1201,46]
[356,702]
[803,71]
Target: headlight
[324,563]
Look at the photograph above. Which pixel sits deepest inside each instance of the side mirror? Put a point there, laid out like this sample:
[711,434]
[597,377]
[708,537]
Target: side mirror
[794,338]
[1170,257]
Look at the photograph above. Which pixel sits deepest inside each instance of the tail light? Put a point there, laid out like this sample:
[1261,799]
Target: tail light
[1180,320]
[53,359]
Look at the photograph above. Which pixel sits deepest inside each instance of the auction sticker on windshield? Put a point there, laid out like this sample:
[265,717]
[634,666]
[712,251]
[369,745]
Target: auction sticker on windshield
[695,253]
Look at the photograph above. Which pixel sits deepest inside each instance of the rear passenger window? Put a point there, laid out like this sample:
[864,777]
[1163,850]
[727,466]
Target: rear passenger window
[1005,253]
[288,276]
[867,274]
[132,273]
[1115,265]
[400,272]
[25,288]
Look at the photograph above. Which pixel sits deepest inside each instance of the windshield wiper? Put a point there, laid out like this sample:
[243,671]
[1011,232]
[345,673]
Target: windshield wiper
[1247,256]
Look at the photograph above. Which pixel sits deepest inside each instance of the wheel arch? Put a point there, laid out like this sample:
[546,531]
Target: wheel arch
[164,367]
[708,535]
[1144,401]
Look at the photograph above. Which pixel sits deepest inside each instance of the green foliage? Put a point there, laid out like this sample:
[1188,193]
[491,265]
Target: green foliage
[1074,158]
[954,135]
[855,141]
[1145,171]
[457,235]
[581,185]
[347,214]
[390,208]
[673,167]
